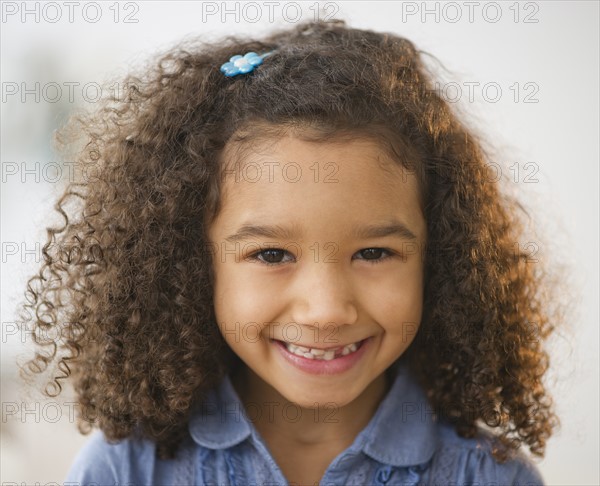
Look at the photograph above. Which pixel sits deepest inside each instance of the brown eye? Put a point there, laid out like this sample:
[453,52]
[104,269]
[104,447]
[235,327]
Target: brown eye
[371,253]
[272,256]
[374,255]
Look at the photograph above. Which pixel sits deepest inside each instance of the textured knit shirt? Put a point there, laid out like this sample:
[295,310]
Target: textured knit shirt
[403,444]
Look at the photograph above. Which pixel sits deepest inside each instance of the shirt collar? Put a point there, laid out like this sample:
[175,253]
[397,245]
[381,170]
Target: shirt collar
[219,422]
[401,433]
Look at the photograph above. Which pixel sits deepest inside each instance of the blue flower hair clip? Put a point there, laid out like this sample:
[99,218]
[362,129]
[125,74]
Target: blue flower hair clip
[243,64]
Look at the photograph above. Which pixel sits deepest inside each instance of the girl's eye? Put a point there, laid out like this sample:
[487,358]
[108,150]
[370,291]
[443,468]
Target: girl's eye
[272,256]
[277,256]
[374,255]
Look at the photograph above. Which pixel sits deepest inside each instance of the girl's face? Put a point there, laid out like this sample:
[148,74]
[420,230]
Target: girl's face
[318,245]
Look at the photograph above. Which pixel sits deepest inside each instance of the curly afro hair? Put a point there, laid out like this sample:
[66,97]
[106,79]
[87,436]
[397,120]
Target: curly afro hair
[127,280]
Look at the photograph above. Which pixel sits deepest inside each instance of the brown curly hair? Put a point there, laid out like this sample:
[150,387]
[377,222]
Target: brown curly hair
[127,279]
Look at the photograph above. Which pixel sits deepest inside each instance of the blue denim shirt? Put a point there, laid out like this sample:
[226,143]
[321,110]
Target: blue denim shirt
[403,444]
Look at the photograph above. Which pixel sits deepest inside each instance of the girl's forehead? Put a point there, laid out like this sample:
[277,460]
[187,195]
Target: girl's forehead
[389,152]
[249,152]
[336,164]
[335,182]
[261,137]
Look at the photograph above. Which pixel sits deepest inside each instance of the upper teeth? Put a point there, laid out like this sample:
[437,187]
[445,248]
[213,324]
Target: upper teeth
[314,353]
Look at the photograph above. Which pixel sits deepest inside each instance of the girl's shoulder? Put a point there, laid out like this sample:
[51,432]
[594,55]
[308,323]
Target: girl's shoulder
[407,432]
[461,460]
[102,462]
[127,462]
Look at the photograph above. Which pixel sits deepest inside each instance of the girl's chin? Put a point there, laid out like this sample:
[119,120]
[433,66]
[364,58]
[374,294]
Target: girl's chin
[326,399]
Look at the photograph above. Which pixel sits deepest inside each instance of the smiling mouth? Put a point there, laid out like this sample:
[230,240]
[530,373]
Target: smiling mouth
[320,354]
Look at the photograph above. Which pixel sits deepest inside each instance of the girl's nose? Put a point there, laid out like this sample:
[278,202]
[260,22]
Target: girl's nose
[323,296]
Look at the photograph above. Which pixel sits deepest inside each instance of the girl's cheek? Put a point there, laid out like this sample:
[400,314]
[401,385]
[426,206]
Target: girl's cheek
[242,302]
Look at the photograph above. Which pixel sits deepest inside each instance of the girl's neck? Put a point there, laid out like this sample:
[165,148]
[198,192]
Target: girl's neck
[277,419]
[304,442]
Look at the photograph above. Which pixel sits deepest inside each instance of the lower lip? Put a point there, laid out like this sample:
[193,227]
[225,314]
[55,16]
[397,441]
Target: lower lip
[321,366]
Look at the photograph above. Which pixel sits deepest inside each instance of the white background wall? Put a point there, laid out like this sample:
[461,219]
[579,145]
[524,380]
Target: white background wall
[552,45]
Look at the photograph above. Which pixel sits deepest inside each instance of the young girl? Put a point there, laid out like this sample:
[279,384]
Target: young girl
[293,267]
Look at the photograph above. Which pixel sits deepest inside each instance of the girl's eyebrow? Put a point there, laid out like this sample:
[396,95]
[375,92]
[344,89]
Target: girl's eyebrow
[394,228]
[248,231]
